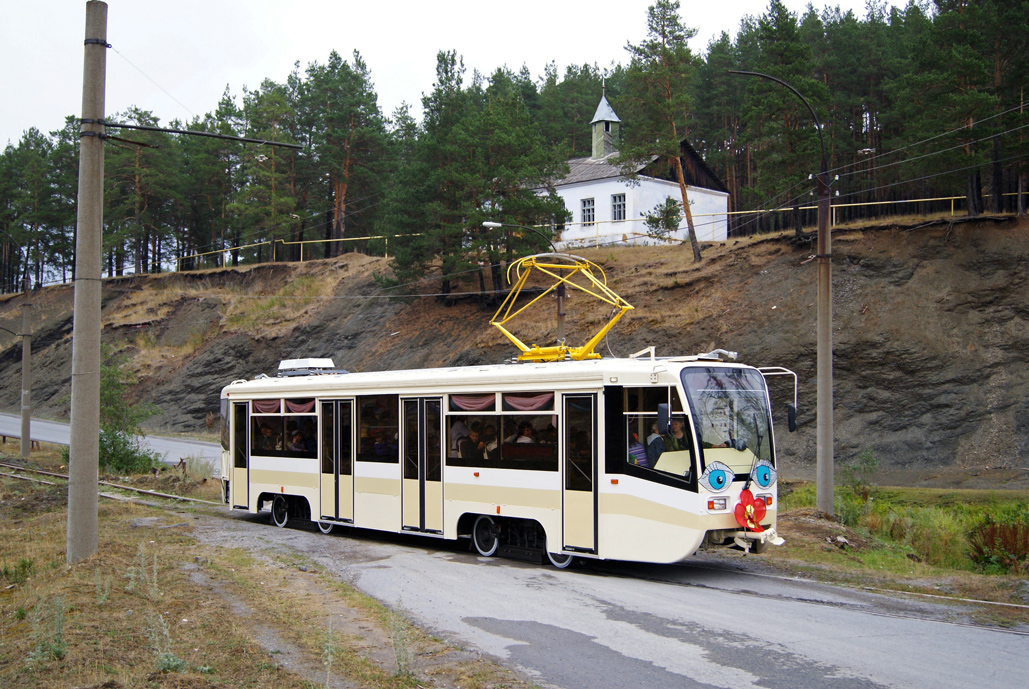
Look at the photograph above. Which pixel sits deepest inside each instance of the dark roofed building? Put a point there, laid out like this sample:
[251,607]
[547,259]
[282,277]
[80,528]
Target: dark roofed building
[606,210]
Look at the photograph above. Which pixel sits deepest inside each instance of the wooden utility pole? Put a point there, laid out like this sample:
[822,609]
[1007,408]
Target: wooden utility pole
[84,449]
[26,369]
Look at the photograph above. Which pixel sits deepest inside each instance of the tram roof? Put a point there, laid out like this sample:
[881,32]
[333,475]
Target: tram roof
[482,378]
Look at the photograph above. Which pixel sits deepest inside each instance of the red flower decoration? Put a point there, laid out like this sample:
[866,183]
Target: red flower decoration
[750,512]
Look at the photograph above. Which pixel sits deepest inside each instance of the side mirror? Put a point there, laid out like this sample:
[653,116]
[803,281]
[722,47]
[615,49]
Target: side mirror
[662,418]
[791,417]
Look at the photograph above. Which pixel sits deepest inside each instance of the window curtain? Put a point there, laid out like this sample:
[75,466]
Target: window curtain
[543,400]
[300,406]
[472,402]
[266,406]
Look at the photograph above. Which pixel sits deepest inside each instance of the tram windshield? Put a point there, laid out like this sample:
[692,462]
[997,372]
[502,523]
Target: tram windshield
[730,413]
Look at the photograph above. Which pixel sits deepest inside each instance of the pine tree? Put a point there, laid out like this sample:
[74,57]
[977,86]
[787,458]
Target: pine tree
[657,100]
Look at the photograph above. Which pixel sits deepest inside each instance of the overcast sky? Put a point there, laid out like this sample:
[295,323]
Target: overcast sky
[176,58]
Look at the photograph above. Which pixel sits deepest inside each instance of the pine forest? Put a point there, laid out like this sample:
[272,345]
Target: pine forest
[920,102]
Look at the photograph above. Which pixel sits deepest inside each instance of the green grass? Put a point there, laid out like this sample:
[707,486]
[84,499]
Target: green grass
[926,525]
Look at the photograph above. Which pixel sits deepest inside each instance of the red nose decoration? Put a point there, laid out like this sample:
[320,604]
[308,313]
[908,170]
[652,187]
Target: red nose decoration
[750,512]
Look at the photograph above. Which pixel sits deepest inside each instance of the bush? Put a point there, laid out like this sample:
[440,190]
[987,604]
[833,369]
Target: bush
[121,451]
[1000,546]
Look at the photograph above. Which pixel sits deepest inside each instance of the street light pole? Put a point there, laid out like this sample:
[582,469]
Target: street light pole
[824,401]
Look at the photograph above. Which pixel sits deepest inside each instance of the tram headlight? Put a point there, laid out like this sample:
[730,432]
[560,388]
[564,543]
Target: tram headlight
[716,504]
[764,473]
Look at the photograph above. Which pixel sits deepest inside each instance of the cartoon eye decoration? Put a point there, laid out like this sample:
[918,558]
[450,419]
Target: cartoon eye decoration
[717,477]
[764,473]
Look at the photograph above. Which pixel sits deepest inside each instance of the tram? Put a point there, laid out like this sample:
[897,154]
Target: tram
[559,453]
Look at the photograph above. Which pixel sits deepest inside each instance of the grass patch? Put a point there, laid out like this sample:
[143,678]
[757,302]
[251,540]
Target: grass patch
[253,315]
[154,608]
[909,539]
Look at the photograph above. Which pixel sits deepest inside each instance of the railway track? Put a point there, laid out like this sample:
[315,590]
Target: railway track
[64,477]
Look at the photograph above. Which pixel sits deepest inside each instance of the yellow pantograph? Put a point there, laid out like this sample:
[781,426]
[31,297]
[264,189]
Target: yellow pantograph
[562,268]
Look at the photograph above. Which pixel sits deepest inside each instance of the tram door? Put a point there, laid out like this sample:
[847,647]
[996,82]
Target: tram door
[579,472]
[422,456]
[240,485]
[337,473]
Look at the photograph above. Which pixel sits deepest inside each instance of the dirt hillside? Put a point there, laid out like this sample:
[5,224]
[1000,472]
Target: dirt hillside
[931,335]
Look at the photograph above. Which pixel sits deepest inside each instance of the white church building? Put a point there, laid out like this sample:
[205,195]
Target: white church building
[606,210]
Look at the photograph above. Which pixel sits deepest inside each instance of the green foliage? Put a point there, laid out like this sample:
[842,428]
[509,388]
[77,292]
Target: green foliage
[142,576]
[941,83]
[160,643]
[17,573]
[103,587]
[1000,542]
[664,218]
[657,102]
[858,475]
[47,623]
[121,449]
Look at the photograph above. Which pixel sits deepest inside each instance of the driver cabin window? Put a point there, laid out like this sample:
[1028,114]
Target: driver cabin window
[670,452]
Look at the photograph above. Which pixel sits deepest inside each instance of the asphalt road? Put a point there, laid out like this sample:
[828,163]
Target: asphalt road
[172,449]
[712,622]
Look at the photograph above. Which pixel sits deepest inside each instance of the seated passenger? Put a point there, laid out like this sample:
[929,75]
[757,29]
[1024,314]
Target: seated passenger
[471,446]
[268,440]
[297,444]
[637,453]
[525,433]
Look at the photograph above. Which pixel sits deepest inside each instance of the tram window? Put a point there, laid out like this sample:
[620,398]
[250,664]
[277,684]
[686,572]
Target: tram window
[579,444]
[224,411]
[378,428]
[410,453]
[527,442]
[291,435]
[240,412]
[473,440]
[433,443]
[328,427]
[642,446]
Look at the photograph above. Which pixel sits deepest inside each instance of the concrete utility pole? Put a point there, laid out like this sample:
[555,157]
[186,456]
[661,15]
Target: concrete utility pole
[84,448]
[26,369]
[824,404]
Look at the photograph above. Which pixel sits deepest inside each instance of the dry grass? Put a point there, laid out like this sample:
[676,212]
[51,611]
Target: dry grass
[155,608]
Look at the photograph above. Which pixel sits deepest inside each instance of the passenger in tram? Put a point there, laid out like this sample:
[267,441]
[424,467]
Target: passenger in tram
[268,440]
[637,453]
[525,433]
[655,445]
[383,445]
[471,446]
[297,442]
[458,430]
[675,439]
[490,440]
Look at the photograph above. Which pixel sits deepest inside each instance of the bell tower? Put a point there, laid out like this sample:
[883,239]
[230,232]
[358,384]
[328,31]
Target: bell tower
[606,126]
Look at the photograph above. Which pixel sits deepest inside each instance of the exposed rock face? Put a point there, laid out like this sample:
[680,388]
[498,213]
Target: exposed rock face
[930,329]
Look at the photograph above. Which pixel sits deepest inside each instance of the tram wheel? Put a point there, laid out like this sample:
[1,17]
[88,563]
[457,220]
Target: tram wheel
[280,511]
[560,560]
[325,527]
[484,536]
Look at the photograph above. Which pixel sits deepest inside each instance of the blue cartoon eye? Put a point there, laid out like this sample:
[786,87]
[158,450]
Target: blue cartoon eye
[764,473]
[717,477]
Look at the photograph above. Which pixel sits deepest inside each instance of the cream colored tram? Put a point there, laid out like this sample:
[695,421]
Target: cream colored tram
[526,458]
